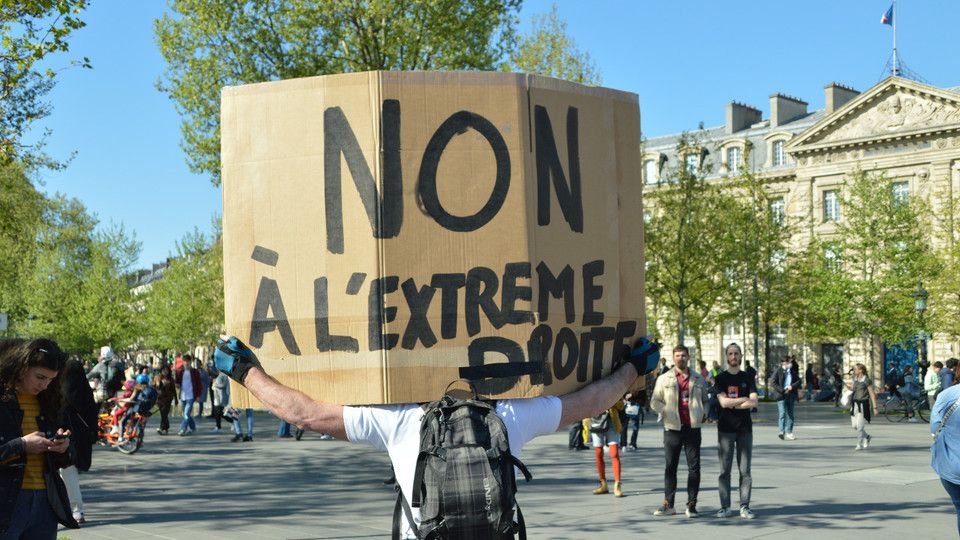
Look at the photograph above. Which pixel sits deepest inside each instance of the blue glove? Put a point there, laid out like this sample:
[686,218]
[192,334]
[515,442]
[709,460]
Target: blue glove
[644,356]
[234,358]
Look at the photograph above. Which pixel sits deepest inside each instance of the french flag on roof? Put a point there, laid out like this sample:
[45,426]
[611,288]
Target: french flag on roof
[887,17]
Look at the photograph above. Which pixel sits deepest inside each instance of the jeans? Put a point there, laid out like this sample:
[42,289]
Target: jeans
[744,450]
[689,439]
[785,409]
[32,517]
[284,429]
[954,491]
[187,422]
[236,424]
[633,420]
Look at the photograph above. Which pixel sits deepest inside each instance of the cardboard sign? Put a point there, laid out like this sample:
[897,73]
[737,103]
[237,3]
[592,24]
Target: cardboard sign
[387,233]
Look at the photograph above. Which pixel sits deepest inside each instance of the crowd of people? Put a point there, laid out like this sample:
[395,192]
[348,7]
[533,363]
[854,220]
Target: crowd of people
[49,404]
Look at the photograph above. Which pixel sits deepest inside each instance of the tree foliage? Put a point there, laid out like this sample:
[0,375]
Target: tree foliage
[209,44]
[185,307]
[549,50]
[32,30]
[21,207]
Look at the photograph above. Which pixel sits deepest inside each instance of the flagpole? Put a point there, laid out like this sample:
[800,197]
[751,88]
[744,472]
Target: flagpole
[896,69]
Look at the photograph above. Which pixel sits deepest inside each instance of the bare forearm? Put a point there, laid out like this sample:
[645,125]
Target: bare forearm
[294,406]
[597,397]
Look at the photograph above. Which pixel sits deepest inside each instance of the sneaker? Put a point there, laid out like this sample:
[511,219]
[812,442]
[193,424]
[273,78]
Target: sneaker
[692,511]
[237,438]
[724,513]
[866,443]
[858,447]
[780,435]
[747,513]
[181,433]
[602,488]
[327,437]
[617,489]
[216,430]
[791,436]
[913,420]
[78,517]
[159,431]
[664,510]
[247,438]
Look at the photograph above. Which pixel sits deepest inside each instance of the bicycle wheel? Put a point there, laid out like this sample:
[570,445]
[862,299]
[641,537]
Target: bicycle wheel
[894,409]
[923,410]
[132,443]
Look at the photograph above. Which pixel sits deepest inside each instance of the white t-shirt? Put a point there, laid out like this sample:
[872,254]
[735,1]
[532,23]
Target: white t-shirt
[186,385]
[396,429]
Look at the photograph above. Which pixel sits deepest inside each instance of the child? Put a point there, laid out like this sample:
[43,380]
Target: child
[143,399]
[123,402]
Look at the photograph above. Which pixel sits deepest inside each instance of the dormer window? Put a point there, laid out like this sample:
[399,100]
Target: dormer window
[779,158]
[734,158]
[691,162]
[650,173]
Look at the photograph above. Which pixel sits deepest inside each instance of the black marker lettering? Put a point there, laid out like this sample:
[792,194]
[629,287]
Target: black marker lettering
[548,166]
[268,300]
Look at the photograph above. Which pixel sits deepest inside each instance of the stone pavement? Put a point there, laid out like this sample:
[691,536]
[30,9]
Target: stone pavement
[204,486]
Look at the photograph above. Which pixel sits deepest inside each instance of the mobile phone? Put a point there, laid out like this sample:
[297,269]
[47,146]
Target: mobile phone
[60,436]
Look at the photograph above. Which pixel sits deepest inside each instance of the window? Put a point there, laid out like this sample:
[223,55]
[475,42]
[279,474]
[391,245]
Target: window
[778,156]
[730,327]
[777,210]
[900,192]
[650,171]
[832,254]
[646,217]
[831,206]
[734,158]
[778,259]
[692,162]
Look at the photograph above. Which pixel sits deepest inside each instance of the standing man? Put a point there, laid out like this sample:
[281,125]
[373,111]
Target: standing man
[188,379]
[784,385]
[946,375]
[679,397]
[932,384]
[737,392]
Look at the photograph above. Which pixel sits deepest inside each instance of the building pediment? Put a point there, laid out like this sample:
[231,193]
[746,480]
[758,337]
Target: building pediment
[896,109]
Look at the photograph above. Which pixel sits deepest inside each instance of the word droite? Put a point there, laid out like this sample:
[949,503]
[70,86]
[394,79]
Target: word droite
[548,356]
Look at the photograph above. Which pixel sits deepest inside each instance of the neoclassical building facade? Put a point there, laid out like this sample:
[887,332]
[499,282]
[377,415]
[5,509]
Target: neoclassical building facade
[908,130]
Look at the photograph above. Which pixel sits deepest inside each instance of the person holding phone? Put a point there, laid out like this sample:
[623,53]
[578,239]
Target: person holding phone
[33,446]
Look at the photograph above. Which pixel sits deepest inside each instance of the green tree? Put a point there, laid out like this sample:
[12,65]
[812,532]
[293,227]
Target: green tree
[21,207]
[32,30]
[549,50]
[209,44]
[77,288]
[688,245]
[944,302]
[185,308]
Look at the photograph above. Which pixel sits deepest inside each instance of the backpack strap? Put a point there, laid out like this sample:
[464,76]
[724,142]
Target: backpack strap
[397,522]
[521,526]
[519,464]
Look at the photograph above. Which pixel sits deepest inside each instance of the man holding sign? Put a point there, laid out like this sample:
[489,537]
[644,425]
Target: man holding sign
[737,392]
[396,428]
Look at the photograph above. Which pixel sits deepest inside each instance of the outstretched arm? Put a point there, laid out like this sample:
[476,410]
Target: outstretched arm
[294,406]
[597,397]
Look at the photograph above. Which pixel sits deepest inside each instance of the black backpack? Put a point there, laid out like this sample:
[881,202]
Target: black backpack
[464,484]
[146,400]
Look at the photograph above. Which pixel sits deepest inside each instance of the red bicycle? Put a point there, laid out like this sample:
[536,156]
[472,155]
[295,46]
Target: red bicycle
[127,442]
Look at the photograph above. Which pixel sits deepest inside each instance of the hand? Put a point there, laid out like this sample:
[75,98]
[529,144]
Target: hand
[60,446]
[644,356]
[36,443]
[234,358]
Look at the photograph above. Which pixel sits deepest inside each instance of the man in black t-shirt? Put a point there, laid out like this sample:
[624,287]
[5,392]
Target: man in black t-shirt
[737,392]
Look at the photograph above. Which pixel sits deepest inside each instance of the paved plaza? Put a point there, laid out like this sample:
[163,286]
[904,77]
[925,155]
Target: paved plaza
[203,486]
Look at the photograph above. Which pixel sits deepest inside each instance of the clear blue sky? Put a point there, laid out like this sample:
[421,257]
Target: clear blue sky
[686,60]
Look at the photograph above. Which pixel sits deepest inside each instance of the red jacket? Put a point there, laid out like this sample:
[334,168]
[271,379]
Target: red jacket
[194,378]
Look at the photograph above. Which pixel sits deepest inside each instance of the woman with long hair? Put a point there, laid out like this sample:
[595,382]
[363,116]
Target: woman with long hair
[864,395]
[166,396]
[33,443]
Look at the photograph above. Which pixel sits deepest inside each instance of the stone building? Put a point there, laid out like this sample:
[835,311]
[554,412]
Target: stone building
[908,130]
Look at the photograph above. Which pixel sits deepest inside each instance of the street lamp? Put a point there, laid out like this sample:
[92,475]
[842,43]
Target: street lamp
[920,306]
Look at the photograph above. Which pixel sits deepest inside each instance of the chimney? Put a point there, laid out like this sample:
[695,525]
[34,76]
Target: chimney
[784,108]
[836,95]
[740,117]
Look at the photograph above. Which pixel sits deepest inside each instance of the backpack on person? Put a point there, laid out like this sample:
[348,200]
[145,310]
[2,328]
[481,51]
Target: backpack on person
[600,423]
[464,484]
[114,380]
[146,400]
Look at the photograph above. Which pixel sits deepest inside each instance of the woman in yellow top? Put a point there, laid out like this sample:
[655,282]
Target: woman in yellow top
[605,429]
[33,445]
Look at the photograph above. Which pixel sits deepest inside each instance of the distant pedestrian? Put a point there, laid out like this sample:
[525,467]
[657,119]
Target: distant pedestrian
[604,430]
[188,379]
[931,383]
[283,430]
[737,393]
[238,432]
[784,385]
[680,398]
[166,396]
[945,427]
[808,379]
[204,388]
[221,398]
[863,401]
[837,374]
[633,410]
[910,391]
[946,375]
[80,411]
